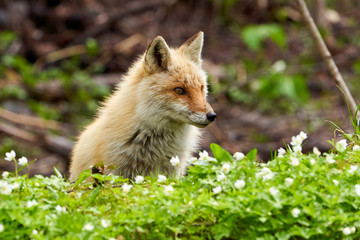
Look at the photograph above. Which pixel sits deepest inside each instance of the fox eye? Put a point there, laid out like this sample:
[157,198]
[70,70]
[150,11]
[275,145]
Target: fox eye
[179,91]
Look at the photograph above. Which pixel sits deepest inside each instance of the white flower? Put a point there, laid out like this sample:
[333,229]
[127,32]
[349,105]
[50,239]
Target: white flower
[145,192]
[289,181]
[126,187]
[346,231]
[302,136]
[239,184]
[316,151]
[279,66]
[353,169]
[31,203]
[5,174]
[225,168]
[161,178]
[34,232]
[336,182]
[60,209]
[268,176]
[192,160]
[294,161]
[296,141]
[295,212]
[139,179]
[168,190]
[105,223]
[356,148]
[265,170]
[238,156]
[312,161]
[1,227]
[217,189]
[330,160]
[357,189]
[204,157]
[281,152]
[265,173]
[273,191]
[5,188]
[88,227]
[23,161]
[15,185]
[221,177]
[175,161]
[10,156]
[341,145]
[297,149]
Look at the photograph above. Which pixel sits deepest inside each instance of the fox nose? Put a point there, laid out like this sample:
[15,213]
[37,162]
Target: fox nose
[211,116]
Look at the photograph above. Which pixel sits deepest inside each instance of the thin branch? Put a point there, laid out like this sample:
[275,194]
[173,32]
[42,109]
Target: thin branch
[54,144]
[120,47]
[17,132]
[327,56]
[28,120]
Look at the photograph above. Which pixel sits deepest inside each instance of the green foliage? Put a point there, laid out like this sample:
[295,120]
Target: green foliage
[6,38]
[44,110]
[277,88]
[224,7]
[13,91]
[92,47]
[294,196]
[220,154]
[81,94]
[280,86]
[254,35]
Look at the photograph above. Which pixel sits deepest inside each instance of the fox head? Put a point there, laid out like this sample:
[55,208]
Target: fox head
[174,84]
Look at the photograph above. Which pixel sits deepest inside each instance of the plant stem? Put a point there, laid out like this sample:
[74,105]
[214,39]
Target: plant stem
[16,167]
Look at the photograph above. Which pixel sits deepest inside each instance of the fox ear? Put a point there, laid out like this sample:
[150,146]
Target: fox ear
[193,46]
[157,56]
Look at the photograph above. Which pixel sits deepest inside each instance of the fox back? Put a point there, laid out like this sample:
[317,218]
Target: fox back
[153,115]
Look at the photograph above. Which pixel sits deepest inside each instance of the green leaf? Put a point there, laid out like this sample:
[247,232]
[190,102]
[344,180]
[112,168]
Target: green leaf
[92,47]
[57,172]
[254,35]
[93,195]
[85,174]
[220,231]
[252,154]
[220,154]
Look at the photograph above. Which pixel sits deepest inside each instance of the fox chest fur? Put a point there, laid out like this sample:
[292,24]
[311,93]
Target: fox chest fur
[154,114]
[149,150]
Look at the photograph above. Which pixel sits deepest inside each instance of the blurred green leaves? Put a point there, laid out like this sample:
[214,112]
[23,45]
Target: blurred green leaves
[6,38]
[92,47]
[254,35]
[78,93]
[273,91]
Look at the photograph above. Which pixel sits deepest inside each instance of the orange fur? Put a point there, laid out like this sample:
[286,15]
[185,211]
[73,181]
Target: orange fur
[145,122]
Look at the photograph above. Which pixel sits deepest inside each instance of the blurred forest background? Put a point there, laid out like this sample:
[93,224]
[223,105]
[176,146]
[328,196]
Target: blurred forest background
[59,59]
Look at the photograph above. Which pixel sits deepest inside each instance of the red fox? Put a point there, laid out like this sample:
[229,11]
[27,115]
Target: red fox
[153,115]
